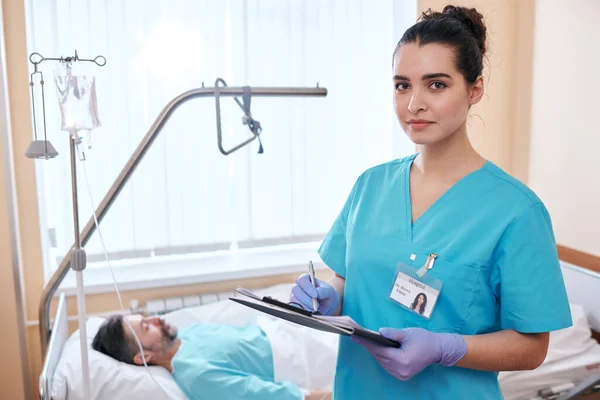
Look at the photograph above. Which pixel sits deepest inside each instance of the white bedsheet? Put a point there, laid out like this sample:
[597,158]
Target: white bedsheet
[572,356]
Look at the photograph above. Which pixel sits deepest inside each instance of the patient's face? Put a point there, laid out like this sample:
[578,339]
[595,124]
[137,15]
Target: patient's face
[154,333]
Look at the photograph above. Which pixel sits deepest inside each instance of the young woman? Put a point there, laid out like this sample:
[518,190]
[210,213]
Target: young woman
[420,303]
[476,235]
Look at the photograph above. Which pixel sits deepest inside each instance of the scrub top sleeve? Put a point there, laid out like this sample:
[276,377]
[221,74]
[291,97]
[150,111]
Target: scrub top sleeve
[333,247]
[528,279]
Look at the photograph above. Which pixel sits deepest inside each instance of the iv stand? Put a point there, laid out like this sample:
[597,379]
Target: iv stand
[77,254]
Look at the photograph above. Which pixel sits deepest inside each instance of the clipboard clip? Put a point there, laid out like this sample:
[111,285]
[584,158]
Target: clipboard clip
[289,306]
[275,302]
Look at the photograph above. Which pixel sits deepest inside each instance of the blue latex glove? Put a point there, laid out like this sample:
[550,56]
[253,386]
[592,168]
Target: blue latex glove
[303,292]
[419,348]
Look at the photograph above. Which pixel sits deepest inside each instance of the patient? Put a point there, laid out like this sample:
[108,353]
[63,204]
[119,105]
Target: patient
[210,361]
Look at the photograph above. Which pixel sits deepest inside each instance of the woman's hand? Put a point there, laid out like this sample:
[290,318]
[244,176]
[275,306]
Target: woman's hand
[303,293]
[419,348]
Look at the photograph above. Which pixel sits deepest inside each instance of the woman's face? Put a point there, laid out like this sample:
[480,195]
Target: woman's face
[431,97]
[420,299]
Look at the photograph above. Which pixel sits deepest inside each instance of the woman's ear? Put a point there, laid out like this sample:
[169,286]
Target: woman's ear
[137,359]
[476,91]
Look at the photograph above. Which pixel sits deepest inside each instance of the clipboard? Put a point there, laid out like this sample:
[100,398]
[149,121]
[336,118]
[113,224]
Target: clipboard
[338,325]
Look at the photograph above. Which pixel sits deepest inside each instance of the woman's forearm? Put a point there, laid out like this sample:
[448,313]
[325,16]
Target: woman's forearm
[338,284]
[506,350]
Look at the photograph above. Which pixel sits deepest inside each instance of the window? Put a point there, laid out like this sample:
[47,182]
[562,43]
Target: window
[185,197]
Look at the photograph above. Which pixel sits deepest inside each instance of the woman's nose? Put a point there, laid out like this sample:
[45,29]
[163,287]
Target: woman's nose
[416,103]
[154,320]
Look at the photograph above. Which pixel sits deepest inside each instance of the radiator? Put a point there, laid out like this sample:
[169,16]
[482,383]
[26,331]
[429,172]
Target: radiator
[164,305]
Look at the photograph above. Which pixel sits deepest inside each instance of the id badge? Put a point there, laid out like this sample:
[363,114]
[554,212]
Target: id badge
[415,291]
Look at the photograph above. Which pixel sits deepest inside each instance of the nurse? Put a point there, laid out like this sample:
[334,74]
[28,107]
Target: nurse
[446,223]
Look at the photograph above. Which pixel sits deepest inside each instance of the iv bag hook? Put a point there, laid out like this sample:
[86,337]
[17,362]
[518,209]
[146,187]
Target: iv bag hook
[253,125]
[36,58]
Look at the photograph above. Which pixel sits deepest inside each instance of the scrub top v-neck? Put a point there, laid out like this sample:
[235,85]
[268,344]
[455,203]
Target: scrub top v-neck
[496,257]
[448,195]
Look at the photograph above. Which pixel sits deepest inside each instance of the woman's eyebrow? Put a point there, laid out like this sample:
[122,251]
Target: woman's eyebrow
[425,77]
[436,75]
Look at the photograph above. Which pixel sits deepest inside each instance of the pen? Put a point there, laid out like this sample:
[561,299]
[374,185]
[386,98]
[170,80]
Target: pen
[311,272]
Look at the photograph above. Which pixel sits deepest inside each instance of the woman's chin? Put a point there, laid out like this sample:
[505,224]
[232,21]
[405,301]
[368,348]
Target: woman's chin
[421,140]
[424,138]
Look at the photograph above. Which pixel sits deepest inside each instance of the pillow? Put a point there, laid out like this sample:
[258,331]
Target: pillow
[109,378]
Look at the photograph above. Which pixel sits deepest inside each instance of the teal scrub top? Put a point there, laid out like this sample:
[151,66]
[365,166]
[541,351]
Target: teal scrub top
[223,362]
[497,260]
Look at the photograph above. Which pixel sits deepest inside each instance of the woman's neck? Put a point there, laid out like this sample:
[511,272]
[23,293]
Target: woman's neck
[451,156]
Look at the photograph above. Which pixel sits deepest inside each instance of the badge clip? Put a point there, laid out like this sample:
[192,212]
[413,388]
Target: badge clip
[427,266]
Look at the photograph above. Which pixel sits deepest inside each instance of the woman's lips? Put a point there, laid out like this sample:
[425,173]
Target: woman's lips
[419,124]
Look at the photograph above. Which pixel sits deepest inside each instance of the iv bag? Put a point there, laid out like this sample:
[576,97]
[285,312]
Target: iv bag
[77,98]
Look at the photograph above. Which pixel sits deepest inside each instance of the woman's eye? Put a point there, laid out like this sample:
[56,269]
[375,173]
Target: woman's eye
[437,85]
[402,86]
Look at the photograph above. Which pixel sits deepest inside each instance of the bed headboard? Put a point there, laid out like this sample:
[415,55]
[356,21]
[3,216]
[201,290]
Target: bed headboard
[583,288]
[60,334]
[581,272]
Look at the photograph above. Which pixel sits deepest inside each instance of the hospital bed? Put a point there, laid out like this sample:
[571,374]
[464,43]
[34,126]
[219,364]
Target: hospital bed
[109,379]
[573,357]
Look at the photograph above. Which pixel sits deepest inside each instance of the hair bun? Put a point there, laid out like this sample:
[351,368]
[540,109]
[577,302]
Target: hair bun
[472,19]
[469,17]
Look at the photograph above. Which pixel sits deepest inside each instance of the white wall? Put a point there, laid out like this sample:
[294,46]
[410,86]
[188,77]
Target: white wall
[565,128]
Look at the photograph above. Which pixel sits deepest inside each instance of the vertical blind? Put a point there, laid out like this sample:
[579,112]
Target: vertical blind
[186,196]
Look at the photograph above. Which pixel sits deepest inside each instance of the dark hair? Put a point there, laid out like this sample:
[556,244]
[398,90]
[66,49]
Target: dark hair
[460,28]
[112,340]
[423,304]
